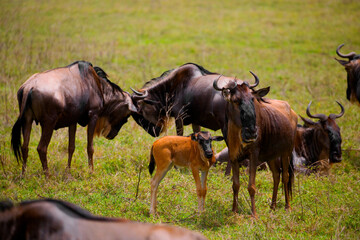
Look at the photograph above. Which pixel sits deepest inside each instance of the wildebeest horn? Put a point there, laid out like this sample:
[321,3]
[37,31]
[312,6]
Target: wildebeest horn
[215,85]
[256,80]
[349,55]
[334,116]
[320,116]
[139,95]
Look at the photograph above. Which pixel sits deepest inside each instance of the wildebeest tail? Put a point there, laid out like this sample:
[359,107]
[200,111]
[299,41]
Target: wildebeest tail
[152,162]
[291,175]
[16,130]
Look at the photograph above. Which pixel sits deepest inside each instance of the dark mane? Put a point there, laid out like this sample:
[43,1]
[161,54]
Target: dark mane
[163,76]
[73,210]
[101,73]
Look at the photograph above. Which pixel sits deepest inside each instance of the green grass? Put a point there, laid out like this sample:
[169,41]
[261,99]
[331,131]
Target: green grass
[290,45]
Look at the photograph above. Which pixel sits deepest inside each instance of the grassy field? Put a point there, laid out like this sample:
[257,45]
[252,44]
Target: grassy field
[289,44]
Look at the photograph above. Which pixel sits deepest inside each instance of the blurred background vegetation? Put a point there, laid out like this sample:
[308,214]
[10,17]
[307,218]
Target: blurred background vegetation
[289,44]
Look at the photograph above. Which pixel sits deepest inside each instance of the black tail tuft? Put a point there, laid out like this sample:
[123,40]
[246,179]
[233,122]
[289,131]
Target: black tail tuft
[152,162]
[16,139]
[291,176]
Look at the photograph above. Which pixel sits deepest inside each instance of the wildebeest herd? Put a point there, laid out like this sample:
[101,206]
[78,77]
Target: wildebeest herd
[256,130]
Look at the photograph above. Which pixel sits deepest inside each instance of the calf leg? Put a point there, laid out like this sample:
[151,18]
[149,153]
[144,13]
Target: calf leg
[46,133]
[275,169]
[26,130]
[199,188]
[155,181]
[71,149]
[204,187]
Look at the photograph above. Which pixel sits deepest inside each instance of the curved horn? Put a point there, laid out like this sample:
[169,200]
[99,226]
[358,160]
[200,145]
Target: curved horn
[215,85]
[349,55]
[320,116]
[334,116]
[257,81]
[139,95]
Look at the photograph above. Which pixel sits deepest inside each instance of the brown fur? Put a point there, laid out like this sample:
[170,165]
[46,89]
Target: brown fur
[64,97]
[53,219]
[182,152]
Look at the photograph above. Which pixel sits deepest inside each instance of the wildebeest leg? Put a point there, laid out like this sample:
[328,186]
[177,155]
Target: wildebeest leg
[26,130]
[155,181]
[285,162]
[252,177]
[196,128]
[179,126]
[46,133]
[71,149]
[90,138]
[274,166]
[236,184]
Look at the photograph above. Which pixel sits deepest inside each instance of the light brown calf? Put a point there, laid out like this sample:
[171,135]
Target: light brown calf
[193,152]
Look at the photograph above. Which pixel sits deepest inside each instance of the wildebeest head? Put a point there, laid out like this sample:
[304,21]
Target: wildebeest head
[151,110]
[118,107]
[240,96]
[329,137]
[204,139]
[352,67]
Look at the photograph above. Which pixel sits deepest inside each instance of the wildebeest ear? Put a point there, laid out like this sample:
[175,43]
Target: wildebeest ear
[217,138]
[307,121]
[342,62]
[261,92]
[131,105]
[151,102]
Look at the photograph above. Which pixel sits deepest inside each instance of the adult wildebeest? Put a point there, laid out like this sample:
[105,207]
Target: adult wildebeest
[64,97]
[54,219]
[316,141]
[184,93]
[352,67]
[261,132]
[194,152]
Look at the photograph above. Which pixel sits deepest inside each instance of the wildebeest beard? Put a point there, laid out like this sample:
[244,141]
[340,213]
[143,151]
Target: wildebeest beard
[335,146]
[248,121]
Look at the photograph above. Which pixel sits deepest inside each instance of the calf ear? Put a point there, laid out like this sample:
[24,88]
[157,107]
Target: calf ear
[307,121]
[193,137]
[217,138]
[342,62]
[261,92]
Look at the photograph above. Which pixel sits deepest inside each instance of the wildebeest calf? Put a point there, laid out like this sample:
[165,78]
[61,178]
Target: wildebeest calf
[52,219]
[194,152]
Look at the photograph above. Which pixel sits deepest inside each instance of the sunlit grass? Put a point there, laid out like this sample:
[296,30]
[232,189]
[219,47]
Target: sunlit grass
[290,45]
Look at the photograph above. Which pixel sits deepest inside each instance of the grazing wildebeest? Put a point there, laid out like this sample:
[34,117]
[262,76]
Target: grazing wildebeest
[261,132]
[64,97]
[55,219]
[194,152]
[352,67]
[184,93]
[316,141]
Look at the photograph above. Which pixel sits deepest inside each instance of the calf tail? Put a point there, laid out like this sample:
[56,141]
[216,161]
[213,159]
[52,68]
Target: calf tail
[16,130]
[291,175]
[152,162]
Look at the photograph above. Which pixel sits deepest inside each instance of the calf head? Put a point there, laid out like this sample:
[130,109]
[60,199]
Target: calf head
[240,108]
[204,139]
[328,136]
[352,67]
